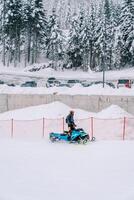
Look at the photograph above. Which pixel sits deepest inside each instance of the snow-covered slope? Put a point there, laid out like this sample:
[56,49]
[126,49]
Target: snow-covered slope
[113,112]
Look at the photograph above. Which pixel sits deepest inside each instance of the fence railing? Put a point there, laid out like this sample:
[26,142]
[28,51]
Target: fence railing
[102,129]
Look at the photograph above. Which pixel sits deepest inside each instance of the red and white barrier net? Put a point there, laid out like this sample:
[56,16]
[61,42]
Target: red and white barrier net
[129,129]
[108,129]
[27,128]
[5,128]
[101,129]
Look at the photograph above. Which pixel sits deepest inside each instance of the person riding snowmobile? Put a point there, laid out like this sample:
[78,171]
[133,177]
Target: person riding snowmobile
[70,122]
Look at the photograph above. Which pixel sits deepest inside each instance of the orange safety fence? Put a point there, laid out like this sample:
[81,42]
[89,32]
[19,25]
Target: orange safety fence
[27,128]
[101,129]
[5,128]
[108,129]
[54,125]
[129,129]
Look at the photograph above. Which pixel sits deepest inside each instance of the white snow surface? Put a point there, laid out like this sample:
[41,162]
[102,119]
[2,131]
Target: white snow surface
[39,170]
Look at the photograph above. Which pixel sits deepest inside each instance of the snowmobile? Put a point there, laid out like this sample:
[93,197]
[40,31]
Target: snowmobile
[77,136]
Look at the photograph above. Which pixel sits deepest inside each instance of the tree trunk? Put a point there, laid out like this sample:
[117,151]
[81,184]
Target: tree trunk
[3,35]
[29,45]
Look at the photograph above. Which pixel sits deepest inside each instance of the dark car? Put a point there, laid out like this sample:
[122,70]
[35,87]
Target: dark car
[51,82]
[29,84]
[1,82]
[11,84]
[86,84]
[63,85]
[72,82]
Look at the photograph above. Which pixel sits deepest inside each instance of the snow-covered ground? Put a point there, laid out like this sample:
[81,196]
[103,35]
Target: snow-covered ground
[66,74]
[39,170]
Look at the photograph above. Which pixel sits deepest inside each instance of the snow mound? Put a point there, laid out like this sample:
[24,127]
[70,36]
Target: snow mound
[52,110]
[113,112]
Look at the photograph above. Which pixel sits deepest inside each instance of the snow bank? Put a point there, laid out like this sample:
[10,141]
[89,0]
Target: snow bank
[53,110]
[113,112]
[58,110]
[75,90]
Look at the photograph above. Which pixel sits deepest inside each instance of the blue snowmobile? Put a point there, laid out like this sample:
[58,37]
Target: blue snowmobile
[77,136]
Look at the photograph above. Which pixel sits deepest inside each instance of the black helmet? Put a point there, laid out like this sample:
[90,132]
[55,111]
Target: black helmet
[71,111]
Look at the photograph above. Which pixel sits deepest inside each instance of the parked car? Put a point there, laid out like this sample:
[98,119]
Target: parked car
[124,83]
[29,84]
[57,83]
[11,84]
[106,83]
[1,82]
[51,82]
[51,79]
[63,85]
[72,82]
[86,84]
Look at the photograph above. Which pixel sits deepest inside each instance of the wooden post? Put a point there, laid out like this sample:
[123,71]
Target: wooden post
[92,131]
[124,128]
[12,128]
[43,128]
[63,124]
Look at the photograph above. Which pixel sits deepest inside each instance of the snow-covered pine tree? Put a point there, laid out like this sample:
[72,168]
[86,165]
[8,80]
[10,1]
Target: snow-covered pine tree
[126,27]
[54,40]
[2,30]
[69,16]
[104,37]
[118,46]
[75,43]
[39,29]
[35,29]
[28,19]
[13,28]
[99,39]
[61,16]
[88,37]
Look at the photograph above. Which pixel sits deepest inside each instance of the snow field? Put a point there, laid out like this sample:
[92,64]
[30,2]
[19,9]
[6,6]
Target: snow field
[32,168]
[42,170]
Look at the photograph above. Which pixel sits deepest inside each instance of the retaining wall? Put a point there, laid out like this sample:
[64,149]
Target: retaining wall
[92,103]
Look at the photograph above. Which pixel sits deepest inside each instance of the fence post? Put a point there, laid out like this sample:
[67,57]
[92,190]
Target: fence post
[63,124]
[92,131]
[12,128]
[43,128]
[124,128]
